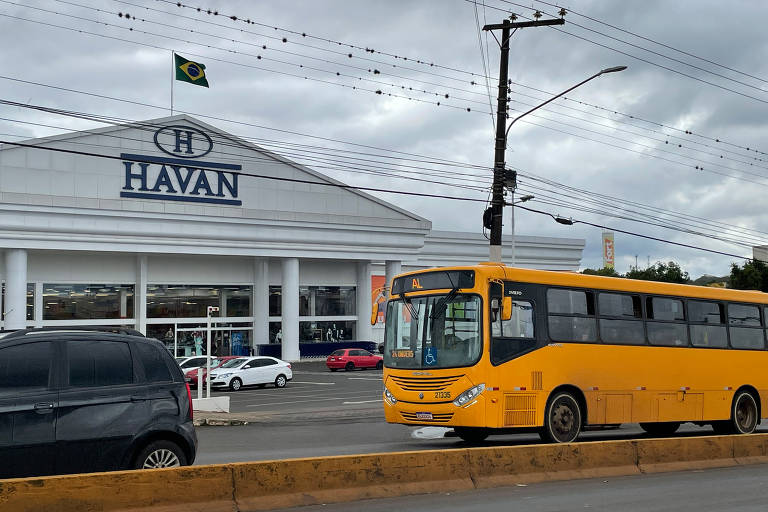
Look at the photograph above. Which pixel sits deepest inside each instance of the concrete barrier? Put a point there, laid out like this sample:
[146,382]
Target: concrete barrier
[275,484]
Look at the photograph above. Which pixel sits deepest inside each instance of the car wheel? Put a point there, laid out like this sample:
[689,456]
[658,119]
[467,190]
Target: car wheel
[235,384]
[562,420]
[280,381]
[349,367]
[380,365]
[160,454]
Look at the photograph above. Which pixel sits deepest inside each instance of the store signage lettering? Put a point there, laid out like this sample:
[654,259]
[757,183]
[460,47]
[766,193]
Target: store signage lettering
[180,178]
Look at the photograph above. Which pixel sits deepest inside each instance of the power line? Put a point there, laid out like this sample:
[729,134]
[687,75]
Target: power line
[570,221]
[641,59]
[251,175]
[571,11]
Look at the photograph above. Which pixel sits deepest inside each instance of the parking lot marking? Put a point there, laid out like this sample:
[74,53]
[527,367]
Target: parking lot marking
[361,402]
[305,401]
[363,378]
[317,383]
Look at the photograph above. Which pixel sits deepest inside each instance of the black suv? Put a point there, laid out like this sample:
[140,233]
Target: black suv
[90,399]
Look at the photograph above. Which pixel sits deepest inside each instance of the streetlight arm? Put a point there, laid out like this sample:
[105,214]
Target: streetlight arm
[553,98]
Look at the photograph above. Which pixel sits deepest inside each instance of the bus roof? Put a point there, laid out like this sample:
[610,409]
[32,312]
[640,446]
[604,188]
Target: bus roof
[555,278]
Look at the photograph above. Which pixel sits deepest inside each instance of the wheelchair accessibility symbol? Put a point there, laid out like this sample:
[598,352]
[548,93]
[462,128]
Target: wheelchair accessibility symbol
[430,356]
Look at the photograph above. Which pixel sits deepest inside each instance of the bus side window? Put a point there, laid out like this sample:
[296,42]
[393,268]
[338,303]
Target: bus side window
[666,322]
[571,315]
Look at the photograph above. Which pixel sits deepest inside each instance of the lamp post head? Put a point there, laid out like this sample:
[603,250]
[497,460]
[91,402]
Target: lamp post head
[526,198]
[613,69]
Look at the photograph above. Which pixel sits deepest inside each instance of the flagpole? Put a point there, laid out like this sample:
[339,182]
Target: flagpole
[173,71]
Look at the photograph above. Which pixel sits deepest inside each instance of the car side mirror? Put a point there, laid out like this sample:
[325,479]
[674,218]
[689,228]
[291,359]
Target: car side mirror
[246,367]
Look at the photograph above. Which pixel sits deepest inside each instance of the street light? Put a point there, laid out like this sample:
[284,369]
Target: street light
[514,180]
[512,223]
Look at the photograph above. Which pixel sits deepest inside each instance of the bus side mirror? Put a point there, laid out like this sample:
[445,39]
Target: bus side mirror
[374,313]
[506,309]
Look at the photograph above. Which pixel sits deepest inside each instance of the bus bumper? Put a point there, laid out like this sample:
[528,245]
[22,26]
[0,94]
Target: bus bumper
[445,414]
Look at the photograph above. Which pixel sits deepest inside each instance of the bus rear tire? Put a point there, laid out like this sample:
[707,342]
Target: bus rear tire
[661,429]
[471,434]
[744,416]
[562,419]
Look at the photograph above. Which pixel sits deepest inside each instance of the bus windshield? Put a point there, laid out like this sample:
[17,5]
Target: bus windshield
[435,331]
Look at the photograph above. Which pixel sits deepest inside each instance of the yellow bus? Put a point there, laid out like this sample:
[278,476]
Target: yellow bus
[490,349]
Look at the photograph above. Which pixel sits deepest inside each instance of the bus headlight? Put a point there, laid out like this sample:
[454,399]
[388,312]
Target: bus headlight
[469,395]
[390,397]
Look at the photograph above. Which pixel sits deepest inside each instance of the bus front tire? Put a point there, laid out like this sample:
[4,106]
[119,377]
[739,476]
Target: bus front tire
[562,420]
[661,429]
[471,434]
[744,416]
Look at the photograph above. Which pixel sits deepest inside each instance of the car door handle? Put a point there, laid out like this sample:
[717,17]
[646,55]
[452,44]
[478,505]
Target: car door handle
[44,408]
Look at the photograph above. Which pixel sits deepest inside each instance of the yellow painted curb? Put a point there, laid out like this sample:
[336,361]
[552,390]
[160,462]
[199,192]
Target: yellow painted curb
[284,483]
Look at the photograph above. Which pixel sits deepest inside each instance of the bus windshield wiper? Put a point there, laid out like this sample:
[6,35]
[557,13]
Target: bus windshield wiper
[409,305]
[438,309]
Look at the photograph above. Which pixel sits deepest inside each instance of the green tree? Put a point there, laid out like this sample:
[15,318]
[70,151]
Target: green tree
[669,272]
[752,276]
[605,271]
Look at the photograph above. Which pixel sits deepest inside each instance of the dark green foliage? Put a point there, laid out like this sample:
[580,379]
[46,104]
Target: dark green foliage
[752,276]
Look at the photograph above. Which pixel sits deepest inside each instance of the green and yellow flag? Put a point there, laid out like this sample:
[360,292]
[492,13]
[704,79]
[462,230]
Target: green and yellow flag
[188,71]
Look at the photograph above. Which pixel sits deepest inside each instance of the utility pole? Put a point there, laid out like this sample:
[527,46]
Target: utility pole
[500,173]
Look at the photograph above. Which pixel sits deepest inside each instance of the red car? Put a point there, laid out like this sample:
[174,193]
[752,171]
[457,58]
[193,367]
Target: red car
[191,375]
[351,358]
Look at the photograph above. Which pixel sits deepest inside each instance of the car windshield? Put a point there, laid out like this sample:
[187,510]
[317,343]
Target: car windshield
[436,331]
[232,363]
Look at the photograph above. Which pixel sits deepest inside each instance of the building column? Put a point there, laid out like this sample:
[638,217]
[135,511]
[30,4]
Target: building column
[223,303]
[290,306]
[39,306]
[123,303]
[391,269]
[15,289]
[140,294]
[260,302]
[363,292]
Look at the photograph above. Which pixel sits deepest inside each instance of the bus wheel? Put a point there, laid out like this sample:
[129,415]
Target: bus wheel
[562,422]
[661,429]
[471,434]
[743,416]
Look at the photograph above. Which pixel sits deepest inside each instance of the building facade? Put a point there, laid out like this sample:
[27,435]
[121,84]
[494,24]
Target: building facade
[149,224]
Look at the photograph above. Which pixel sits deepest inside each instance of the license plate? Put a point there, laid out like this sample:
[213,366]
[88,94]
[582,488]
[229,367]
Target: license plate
[423,415]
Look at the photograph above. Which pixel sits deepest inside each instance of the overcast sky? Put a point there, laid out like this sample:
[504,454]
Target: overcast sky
[594,146]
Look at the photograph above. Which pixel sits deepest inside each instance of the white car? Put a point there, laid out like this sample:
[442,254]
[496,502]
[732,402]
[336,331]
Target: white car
[191,363]
[249,371]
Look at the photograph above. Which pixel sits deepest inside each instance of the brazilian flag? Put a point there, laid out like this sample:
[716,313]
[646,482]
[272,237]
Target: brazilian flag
[188,71]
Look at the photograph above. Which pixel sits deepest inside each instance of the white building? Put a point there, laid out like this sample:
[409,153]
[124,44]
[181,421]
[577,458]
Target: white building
[162,225]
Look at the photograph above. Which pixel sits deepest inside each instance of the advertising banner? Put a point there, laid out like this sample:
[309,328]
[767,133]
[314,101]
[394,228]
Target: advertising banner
[608,249]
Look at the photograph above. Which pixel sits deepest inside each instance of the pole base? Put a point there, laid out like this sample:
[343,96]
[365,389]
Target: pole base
[495,253]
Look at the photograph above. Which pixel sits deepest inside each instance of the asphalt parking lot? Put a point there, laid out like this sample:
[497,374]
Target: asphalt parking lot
[313,388]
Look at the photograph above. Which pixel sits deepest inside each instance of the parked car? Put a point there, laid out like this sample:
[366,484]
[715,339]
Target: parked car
[351,358]
[191,363]
[76,401]
[249,371]
[191,376]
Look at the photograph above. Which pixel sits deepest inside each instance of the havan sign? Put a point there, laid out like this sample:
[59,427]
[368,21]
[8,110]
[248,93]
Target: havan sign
[180,177]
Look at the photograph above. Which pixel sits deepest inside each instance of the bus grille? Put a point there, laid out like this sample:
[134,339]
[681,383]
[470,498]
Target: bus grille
[519,410]
[425,383]
[537,380]
[436,418]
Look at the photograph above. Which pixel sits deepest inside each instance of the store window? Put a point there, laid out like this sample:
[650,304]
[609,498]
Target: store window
[87,301]
[183,301]
[30,302]
[327,301]
[330,330]
[275,302]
